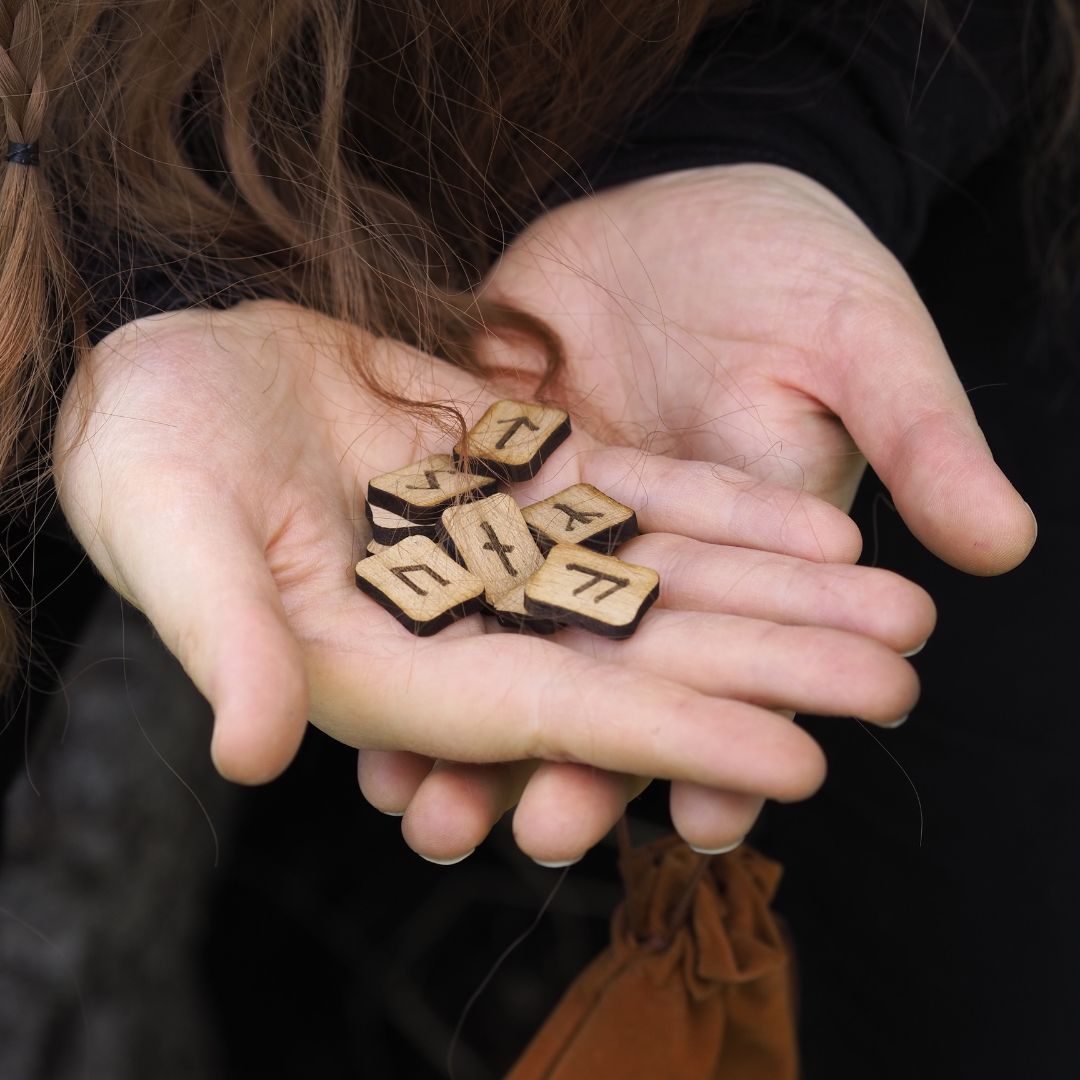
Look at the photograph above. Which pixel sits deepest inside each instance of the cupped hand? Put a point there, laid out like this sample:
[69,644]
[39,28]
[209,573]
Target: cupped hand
[214,466]
[743,314]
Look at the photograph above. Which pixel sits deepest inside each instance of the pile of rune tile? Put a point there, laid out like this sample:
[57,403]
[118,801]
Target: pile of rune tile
[448,543]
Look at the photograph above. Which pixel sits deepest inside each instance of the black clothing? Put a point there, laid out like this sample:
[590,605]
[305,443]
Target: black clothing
[862,97]
[947,948]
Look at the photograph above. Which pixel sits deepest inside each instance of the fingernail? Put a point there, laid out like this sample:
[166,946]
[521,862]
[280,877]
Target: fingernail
[559,864]
[392,813]
[719,850]
[896,723]
[447,862]
[915,652]
[1033,518]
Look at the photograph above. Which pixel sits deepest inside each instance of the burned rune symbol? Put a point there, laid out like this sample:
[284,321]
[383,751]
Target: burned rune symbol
[432,477]
[400,573]
[585,517]
[512,430]
[597,576]
[500,549]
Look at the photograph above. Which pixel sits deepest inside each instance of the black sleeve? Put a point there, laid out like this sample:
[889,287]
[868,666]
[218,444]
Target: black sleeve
[126,281]
[884,108]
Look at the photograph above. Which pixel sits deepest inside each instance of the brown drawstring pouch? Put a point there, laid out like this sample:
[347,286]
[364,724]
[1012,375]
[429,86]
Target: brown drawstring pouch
[696,984]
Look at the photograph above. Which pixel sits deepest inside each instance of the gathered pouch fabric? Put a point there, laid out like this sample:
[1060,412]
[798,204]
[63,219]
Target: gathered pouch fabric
[695,985]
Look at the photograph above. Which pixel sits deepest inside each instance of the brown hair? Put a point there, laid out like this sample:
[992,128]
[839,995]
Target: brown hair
[362,158]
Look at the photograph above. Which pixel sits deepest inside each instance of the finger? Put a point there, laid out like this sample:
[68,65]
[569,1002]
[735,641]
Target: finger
[909,414]
[807,669]
[457,805]
[564,811]
[390,778]
[504,697]
[240,652]
[712,821]
[760,585]
[707,502]
[567,809]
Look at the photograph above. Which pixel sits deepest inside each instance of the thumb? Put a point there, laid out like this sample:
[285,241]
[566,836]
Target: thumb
[904,405]
[200,576]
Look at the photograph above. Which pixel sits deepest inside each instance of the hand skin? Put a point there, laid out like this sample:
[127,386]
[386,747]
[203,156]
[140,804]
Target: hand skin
[214,465]
[744,315]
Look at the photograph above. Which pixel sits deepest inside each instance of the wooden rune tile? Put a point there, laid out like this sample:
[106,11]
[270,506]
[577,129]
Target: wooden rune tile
[421,492]
[581,515]
[389,528]
[420,585]
[491,538]
[510,612]
[596,592]
[513,439]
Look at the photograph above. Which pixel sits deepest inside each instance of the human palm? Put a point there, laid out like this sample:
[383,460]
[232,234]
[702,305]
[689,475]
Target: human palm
[743,315]
[214,464]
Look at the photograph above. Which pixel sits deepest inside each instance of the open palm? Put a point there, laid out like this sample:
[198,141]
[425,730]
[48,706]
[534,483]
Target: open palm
[214,465]
[743,315]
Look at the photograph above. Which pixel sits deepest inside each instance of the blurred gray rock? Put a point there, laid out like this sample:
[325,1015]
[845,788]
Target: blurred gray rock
[108,858]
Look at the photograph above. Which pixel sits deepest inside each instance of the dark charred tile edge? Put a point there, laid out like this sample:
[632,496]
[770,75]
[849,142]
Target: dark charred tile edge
[595,626]
[420,629]
[526,622]
[427,515]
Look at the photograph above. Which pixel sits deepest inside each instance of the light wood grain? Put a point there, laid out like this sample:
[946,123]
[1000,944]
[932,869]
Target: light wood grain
[374,547]
[491,538]
[420,585]
[596,592]
[513,439]
[581,515]
[421,492]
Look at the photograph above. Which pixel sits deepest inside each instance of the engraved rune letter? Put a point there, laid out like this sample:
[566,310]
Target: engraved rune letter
[400,571]
[597,576]
[573,516]
[512,430]
[500,549]
[432,477]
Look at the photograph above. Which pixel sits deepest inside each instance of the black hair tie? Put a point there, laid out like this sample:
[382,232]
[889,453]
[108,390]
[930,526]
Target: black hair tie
[22,153]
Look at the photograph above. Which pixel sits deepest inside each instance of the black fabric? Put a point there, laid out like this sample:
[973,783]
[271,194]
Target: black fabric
[52,586]
[22,153]
[870,99]
[128,281]
[933,884]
